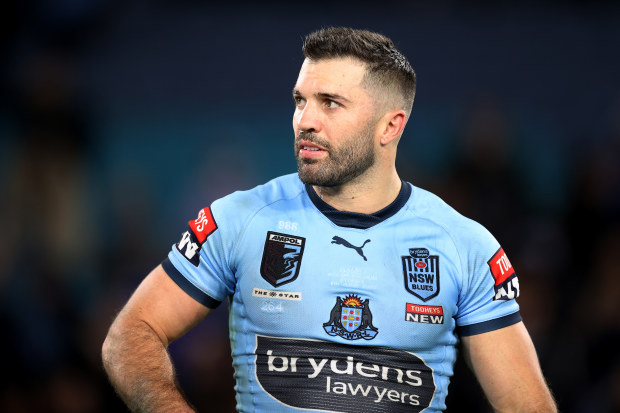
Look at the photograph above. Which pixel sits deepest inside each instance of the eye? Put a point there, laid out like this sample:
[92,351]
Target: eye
[332,104]
[299,101]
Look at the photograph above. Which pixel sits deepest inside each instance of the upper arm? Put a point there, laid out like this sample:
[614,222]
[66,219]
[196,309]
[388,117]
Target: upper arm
[164,306]
[506,365]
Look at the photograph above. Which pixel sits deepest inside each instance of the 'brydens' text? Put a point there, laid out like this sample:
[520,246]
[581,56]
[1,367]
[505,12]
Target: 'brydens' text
[310,374]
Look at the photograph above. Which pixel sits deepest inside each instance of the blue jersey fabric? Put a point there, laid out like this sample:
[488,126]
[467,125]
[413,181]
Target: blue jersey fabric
[338,311]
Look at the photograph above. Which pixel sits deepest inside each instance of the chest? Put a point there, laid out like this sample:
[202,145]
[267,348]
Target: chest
[395,282]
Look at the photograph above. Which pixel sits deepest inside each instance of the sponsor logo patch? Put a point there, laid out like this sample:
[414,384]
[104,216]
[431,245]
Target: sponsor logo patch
[351,319]
[419,252]
[281,295]
[341,241]
[198,232]
[204,225]
[317,375]
[421,273]
[281,258]
[506,281]
[427,314]
[190,247]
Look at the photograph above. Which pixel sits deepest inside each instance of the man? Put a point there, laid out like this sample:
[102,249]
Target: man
[348,288]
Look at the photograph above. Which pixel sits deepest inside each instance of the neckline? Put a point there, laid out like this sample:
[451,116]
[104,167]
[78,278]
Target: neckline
[355,219]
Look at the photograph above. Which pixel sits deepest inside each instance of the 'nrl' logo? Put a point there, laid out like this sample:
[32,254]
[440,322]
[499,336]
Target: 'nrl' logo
[351,319]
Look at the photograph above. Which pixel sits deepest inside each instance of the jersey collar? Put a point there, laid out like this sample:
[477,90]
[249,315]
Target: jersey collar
[358,220]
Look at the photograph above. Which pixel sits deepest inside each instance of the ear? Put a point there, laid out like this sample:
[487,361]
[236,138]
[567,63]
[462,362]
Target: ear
[392,126]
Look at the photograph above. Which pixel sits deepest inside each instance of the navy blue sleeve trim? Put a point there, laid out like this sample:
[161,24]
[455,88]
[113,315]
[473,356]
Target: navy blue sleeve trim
[187,286]
[490,325]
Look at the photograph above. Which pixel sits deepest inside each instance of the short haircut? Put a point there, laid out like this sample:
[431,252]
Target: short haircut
[386,66]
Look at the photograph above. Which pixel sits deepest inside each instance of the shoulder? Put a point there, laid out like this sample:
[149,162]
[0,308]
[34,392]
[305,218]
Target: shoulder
[243,204]
[429,207]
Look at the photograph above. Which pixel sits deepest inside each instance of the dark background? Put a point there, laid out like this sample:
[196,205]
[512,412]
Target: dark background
[119,120]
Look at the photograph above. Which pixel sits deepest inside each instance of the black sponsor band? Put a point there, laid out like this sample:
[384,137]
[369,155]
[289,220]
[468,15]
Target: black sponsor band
[310,374]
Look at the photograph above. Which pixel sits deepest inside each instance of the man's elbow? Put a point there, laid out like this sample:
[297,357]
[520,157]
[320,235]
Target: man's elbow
[542,401]
[112,347]
[545,405]
[107,350]
[529,404]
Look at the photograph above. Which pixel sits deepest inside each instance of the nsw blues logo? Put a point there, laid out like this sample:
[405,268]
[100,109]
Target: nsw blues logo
[351,319]
[421,273]
[281,258]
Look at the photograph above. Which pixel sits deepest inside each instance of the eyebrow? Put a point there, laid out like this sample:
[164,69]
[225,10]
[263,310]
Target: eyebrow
[332,96]
[324,95]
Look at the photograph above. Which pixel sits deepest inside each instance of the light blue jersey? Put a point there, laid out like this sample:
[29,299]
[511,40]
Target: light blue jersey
[344,312]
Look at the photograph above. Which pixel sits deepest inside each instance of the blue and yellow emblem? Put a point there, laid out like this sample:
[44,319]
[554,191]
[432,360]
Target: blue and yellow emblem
[351,319]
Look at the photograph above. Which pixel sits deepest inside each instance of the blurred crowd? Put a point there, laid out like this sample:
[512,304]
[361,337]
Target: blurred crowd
[90,203]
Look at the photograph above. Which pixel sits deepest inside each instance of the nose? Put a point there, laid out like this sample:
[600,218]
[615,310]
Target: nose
[307,118]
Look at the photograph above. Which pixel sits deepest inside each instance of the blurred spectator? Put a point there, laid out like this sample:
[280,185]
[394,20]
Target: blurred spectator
[49,238]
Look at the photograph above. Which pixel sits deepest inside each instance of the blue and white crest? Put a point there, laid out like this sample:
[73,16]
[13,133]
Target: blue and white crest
[421,276]
[351,319]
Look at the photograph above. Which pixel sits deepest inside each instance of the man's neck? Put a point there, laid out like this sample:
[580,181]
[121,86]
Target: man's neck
[365,197]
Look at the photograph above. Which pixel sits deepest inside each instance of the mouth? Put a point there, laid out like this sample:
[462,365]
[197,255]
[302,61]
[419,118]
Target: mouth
[310,150]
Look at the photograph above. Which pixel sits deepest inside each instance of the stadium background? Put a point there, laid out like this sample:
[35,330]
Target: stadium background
[120,120]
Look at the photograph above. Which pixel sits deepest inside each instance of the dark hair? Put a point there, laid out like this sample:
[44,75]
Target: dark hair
[385,64]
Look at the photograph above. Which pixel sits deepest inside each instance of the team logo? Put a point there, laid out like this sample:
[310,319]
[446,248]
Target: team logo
[341,241]
[281,258]
[421,273]
[198,232]
[351,319]
[506,281]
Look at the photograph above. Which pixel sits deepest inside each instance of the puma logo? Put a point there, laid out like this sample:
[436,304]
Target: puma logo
[341,241]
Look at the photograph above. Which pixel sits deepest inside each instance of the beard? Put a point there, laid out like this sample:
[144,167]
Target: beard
[342,164]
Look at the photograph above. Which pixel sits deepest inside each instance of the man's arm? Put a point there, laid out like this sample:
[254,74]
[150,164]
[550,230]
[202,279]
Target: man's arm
[135,352]
[506,365]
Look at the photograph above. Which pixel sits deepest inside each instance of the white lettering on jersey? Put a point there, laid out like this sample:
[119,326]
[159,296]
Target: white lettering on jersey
[508,291]
[503,263]
[285,239]
[201,221]
[190,247]
[287,225]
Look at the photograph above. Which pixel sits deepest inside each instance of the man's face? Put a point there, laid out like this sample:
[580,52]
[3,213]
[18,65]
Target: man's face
[334,122]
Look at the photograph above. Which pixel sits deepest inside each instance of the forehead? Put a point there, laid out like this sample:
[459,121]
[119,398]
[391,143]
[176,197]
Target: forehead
[339,75]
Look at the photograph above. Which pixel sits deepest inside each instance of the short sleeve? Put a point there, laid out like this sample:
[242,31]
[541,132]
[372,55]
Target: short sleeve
[198,263]
[487,300]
